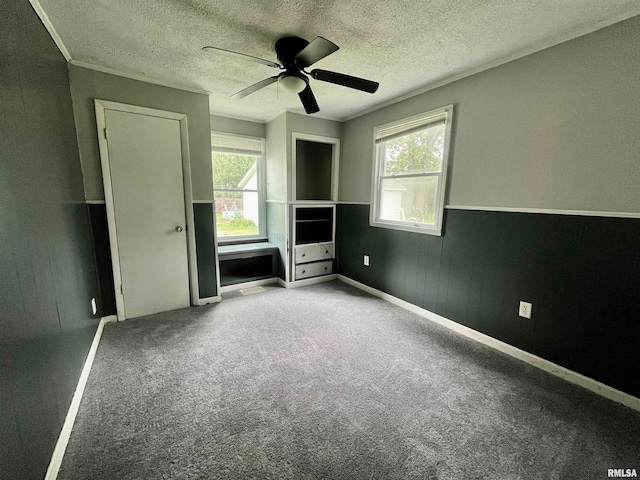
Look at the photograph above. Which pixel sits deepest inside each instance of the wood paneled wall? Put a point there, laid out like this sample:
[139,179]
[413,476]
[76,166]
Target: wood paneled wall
[582,275]
[47,270]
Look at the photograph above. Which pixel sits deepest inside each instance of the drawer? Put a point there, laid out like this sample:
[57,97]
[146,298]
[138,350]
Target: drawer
[313,252]
[307,270]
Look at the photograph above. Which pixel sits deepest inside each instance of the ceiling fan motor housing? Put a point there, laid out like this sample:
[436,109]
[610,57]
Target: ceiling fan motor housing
[287,48]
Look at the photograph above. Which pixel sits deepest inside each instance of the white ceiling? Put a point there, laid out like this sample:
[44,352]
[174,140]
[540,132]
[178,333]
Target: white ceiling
[406,45]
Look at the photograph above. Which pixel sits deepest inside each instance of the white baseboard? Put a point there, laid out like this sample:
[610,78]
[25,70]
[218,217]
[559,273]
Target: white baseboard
[208,300]
[557,370]
[307,281]
[255,283]
[65,433]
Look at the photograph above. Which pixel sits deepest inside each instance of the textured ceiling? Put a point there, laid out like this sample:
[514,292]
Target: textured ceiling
[406,45]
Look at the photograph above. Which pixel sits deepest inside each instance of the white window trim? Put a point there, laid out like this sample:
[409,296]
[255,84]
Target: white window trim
[262,194]
[378,165]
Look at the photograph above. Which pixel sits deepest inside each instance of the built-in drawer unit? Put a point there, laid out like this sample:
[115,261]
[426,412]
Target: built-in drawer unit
[314,245]
[313,252]
[307,270]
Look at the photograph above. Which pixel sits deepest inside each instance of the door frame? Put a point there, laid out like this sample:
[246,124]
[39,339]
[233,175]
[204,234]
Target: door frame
[101,106]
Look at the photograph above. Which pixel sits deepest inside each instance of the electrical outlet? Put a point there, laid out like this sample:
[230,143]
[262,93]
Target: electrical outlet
[366,260]
[525,310]
[94,307]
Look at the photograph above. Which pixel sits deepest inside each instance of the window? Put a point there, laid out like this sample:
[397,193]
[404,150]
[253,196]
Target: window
[410,172]
[238,186]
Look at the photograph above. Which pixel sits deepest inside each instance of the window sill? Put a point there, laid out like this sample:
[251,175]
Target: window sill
[239,240]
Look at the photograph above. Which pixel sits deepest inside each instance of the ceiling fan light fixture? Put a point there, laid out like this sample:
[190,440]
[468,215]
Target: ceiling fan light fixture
[295,54]
[292,83]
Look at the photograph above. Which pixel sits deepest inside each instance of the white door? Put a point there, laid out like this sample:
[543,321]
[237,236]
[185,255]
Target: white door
[145,166]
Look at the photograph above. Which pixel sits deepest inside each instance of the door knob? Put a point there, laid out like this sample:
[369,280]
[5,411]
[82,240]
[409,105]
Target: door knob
[179,228]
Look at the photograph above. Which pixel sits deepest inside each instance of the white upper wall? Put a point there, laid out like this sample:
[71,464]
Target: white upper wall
[87,85]
[279,146]
[276,133]
[559,129]
[236,126]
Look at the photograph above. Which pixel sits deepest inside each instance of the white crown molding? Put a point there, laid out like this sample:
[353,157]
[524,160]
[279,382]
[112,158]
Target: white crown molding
[286,110]
[314,115]
[65,52]
[50,28]
[537,47]
[273,117]
[135,76]
[584,213]
[541,363]
[237,117]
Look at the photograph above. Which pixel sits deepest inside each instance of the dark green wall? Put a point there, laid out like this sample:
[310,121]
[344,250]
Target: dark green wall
[582,275]
[47,267]
[205,252]
[102,253]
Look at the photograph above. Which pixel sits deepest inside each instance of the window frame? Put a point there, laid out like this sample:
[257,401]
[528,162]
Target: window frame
[378,176]
[262,193]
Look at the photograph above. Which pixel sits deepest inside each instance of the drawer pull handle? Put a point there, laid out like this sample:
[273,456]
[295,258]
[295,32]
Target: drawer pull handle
[303,271]
[325,268]
[304,254]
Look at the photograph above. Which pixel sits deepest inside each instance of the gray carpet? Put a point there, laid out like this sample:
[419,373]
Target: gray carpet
[328,382]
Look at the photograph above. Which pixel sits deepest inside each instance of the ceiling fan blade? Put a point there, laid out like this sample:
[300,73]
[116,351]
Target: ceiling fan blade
[309,100]
[246,57]
[345,80]
[255,87]
[316,50]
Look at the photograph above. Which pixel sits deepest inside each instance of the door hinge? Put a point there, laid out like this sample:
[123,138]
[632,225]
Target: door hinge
[104,131]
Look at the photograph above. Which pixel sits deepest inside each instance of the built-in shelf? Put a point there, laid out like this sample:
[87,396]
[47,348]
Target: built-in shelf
[314,224]
[314,248]
[315,167]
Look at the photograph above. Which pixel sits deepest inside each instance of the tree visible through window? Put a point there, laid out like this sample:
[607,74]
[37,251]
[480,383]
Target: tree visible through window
[237,183]
[410,171]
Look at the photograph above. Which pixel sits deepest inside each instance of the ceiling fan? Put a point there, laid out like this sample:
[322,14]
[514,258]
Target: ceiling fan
[295,54]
